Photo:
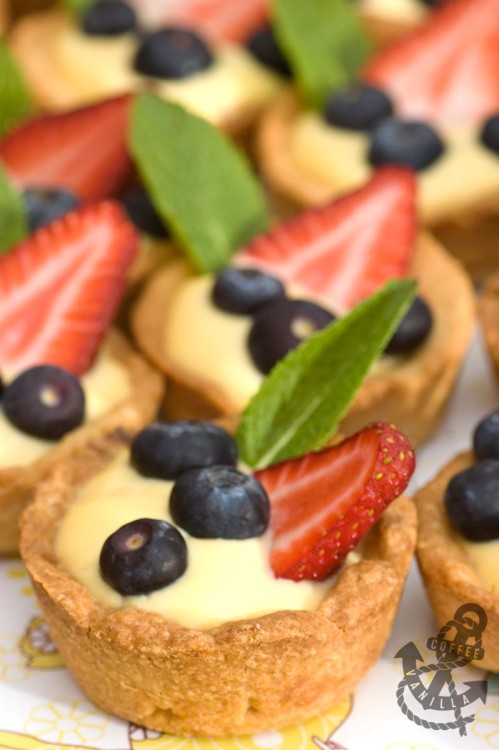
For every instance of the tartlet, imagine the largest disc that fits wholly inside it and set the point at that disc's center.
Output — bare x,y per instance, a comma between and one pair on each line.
412,394
17,487
244,88
448,574
243,676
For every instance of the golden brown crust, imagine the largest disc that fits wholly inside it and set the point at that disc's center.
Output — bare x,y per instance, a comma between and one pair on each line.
29,41
4,16
471,235
448,574
18,484
243,676
488,308
412,394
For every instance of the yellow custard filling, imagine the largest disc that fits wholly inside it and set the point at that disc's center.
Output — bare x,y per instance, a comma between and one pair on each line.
97,67
224,580
466,173
105,385
484,557
219,350
405,11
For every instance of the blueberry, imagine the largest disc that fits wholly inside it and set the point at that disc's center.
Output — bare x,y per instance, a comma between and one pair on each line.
264,46
490,134
412,330
45,401
472,501
486,437
219,502
172,52
243,290
45,204
167,449
408,142
357,107
143,556
108,18
280,326
142,213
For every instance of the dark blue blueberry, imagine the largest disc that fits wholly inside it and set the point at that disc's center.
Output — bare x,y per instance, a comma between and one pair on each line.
45,204
280,326
244,290
472,501
413,329
407,142
490,134
45,401
486,437
172,52
143,556
108,18
264,46
219,502
142,213
167,449
358,107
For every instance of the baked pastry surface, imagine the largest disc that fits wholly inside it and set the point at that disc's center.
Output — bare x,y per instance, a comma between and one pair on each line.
412,393
449,577
488,308
243,676
18,484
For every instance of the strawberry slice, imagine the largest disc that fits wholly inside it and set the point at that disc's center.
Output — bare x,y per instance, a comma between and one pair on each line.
217,20
60,288
83,150
447,70
347,249
324,504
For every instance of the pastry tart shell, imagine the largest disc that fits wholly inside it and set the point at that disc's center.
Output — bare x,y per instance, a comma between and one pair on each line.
411,394
488,308
18,484
241,677
29,41
449,577
472,235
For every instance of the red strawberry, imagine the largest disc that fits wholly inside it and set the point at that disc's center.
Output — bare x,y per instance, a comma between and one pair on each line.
447,71
347,249
83,150
217,20
323,504
60,288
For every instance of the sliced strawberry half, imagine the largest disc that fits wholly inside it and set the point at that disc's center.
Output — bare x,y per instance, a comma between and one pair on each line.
347,249
83,150
217,20
447,71
60,288
322,505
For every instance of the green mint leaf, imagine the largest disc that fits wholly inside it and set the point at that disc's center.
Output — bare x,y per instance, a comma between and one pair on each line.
324,41
78,6
200,183
16,103
301,401
13,226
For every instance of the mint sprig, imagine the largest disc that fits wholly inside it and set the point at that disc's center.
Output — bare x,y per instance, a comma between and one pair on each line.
13,224
78,7
16,102
324,42
301,401
200,183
